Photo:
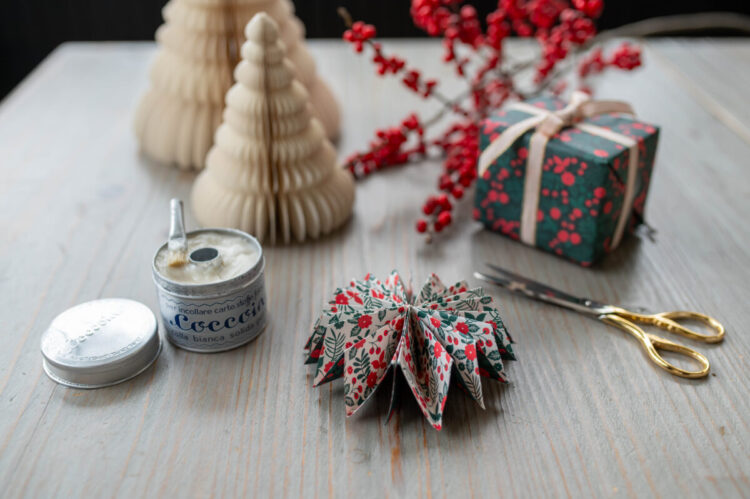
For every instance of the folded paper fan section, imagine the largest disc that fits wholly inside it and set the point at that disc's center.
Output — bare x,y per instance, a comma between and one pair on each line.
272,172
373,326
198,49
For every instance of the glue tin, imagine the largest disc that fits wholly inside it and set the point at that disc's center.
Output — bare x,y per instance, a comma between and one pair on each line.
217,316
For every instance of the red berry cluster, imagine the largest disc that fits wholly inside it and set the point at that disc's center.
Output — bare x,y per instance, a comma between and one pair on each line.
434,16
384,65
561,27
460,144
413,80
389,148
592,8
498,29
440,207
489,93
574,29
465,27
359,34
626,56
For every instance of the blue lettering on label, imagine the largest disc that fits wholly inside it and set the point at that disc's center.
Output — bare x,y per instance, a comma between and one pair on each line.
178,319
182,321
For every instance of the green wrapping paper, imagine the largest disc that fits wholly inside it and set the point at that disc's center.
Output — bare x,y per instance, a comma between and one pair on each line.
582,182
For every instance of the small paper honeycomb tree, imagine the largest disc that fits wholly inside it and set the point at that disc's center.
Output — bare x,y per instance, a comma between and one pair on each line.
271,172
199,48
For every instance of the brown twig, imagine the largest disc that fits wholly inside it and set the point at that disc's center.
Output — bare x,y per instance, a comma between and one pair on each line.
345,16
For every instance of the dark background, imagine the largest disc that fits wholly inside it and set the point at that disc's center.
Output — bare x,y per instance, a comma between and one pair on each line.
30,29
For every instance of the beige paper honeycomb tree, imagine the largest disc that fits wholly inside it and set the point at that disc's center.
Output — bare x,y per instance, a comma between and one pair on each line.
199,48
271,172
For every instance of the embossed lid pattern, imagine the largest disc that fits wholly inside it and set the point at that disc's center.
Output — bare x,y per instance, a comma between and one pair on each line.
100,343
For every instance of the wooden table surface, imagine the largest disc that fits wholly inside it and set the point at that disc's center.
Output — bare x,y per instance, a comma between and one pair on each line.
585,414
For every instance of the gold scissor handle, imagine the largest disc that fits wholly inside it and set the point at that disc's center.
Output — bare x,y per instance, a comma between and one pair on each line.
668,322
652,344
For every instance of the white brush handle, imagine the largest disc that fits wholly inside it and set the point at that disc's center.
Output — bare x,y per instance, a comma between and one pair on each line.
177,238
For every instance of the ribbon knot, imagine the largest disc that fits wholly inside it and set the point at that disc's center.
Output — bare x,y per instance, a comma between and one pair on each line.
546,125
575,111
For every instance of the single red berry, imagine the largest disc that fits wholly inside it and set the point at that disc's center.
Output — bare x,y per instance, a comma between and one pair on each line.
444,218
368,31
446,184
429,207
444,203
421,226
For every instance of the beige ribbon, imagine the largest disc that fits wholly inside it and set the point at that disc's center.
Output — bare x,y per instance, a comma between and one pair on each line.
546,124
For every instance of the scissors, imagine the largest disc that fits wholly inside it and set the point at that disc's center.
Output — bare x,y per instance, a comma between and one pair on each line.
623,319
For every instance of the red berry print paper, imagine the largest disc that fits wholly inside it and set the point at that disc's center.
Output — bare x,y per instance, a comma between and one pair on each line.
371,327
582,188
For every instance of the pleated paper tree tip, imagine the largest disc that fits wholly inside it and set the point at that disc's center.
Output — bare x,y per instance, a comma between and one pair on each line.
271,171
262,29
177,118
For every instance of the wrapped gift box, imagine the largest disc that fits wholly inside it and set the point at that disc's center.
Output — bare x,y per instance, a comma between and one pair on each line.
559,176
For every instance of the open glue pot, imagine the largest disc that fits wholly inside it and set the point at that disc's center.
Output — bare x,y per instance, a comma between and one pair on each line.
211,286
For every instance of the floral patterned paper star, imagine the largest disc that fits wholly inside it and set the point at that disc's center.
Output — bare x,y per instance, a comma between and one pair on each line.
372,326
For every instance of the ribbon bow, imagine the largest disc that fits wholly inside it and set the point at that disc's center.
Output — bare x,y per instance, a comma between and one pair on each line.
546,124
579,108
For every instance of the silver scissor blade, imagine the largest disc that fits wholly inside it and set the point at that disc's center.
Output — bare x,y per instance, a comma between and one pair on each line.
545,289
541,292
529,290
511,285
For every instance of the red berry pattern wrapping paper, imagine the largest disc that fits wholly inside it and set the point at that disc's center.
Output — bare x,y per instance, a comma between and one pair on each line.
372,328
583,183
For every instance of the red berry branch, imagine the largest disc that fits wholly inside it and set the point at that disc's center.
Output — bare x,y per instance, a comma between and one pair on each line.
562,29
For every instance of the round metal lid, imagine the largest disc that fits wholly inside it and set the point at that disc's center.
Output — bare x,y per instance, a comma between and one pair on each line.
100,343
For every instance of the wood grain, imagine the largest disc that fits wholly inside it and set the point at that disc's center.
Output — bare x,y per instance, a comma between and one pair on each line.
584,415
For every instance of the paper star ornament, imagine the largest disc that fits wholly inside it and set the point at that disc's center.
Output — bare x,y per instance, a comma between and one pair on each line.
373,326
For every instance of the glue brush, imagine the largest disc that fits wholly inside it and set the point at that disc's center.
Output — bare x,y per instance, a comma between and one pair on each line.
177,244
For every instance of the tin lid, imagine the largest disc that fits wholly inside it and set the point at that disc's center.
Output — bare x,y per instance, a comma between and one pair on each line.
100,343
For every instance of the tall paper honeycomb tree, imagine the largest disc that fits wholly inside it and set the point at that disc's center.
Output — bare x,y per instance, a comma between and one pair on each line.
200,40
271,172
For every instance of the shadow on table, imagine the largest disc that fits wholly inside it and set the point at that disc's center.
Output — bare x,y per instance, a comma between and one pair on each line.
461,417
111,396
493,247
